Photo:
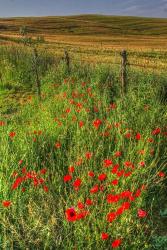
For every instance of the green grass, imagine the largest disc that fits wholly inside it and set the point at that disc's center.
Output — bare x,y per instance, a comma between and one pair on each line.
17,77
36,217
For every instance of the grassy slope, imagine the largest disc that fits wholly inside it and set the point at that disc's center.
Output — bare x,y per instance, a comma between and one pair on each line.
88,25
36,218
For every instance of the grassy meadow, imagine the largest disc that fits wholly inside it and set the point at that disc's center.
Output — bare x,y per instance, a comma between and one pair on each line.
84,166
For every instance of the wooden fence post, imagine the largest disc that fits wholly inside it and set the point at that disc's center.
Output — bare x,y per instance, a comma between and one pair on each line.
0,77
35,64
123,71
67,59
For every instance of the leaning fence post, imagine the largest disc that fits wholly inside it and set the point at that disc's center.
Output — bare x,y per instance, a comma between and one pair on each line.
67,60
35,64
123,71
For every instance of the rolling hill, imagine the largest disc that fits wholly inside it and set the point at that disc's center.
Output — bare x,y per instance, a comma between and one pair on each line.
87,25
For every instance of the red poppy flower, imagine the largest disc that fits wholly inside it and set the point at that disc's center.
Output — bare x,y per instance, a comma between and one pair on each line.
64,94
17,182
59,123
79,105
138,136
90,94
94,189
77,183
113,198
141,152
41,180
150,140
113,106
115,182
117,124
89,89
102,177
120,173
111,216
107,162
126,174
45,188
2,123
71,214
131,198
142,163
156,131
138,193
91,174
143,187
83,84
36,182
12,134
6,203
88,155
127,164
118,153
57,145
71,101
80,205
30,175
119,211
39,132
106,133
161,174
67,178
24,171
68,110
128,135
125,194
125,205
81,124
20,162
97,123
43,171
23,189
71,169
95,109
88,202
79,162
116,243
115,169
82,215
104,236
141,213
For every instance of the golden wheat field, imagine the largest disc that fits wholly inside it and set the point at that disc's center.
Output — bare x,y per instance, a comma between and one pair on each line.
97,38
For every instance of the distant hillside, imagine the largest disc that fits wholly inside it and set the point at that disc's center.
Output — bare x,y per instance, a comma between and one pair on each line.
87,25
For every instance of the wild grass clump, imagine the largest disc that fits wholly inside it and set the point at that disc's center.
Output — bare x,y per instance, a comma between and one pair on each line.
17,71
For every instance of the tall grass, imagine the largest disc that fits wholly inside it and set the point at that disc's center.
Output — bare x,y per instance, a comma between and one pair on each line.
59,132
17,66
